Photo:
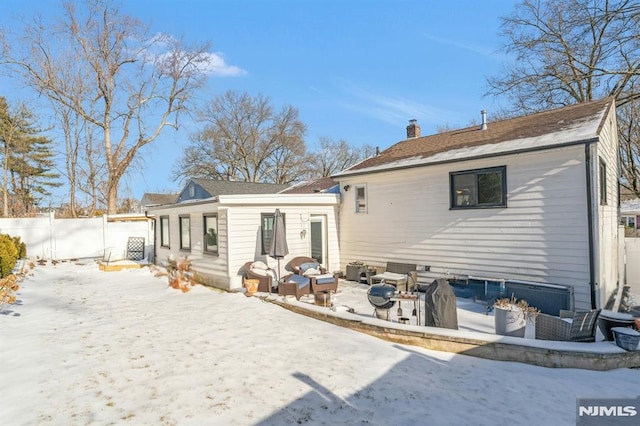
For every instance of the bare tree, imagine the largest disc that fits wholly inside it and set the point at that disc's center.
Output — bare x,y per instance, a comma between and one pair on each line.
629,139
569,51
138,83
245,139
333,157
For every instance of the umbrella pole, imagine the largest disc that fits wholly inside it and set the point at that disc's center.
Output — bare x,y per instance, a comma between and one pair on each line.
279,273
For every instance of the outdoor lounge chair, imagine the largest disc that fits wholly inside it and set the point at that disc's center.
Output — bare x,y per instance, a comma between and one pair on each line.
294,285
579,326
301,263
261,272
310,268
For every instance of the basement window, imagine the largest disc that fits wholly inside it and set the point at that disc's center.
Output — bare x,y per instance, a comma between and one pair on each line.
480,188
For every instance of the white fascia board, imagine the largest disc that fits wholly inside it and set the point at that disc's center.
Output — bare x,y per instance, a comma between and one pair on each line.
280,199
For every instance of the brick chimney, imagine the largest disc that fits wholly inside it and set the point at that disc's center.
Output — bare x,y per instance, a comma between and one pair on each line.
413,130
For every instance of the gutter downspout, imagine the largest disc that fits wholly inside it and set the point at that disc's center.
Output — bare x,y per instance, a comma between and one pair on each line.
592,272
155,248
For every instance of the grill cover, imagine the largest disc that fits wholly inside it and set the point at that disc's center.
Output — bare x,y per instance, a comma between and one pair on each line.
379,295
440,305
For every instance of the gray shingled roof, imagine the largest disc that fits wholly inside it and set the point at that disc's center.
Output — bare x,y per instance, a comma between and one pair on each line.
225,187
152,199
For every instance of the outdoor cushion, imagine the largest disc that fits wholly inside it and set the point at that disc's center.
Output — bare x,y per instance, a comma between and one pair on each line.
311,271
300,280
309,265
261,272
392,276
259,265
325,279
264,272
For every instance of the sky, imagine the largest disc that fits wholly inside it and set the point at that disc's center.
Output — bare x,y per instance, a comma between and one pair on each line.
83,346
355,70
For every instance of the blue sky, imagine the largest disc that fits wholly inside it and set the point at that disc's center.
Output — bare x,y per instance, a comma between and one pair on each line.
356,70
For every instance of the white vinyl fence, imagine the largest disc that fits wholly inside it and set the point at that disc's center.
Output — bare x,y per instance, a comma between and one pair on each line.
102,237
632,263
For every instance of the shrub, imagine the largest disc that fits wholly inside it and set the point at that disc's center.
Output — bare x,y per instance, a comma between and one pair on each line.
8,255
21,246
8,287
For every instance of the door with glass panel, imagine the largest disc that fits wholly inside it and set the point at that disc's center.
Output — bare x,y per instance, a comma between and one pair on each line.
318,240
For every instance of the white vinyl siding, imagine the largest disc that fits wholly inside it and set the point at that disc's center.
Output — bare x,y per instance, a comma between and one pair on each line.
246,243
606,220
238,233
541,236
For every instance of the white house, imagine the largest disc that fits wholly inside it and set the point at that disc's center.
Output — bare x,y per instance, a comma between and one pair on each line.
221,233
533,198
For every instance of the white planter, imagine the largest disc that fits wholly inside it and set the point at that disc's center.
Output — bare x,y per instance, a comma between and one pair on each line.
509,321
530,327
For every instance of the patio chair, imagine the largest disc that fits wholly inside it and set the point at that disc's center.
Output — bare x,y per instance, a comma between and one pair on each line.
579,326
398,274
261,272
299,265
294,285
310,268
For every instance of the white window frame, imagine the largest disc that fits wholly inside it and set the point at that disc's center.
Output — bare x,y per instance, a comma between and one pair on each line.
208,248
164,231
185,237
361,207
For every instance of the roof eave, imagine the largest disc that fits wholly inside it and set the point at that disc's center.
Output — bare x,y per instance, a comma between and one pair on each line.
426,162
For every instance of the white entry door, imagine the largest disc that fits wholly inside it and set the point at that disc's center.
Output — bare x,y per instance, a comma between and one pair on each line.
318,240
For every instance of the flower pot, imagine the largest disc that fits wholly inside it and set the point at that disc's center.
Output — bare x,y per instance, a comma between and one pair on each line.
251,286
509,321
609,319
530,327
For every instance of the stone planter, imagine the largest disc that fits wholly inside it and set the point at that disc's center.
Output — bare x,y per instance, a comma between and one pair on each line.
509,321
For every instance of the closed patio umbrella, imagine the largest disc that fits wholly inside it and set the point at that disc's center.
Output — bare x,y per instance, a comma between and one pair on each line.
279,248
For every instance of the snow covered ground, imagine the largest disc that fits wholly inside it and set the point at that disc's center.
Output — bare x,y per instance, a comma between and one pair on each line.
84,346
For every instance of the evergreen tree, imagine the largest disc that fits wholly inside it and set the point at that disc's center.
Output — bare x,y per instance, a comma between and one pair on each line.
27,161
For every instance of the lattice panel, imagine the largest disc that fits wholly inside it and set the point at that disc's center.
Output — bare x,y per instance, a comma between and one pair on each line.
135,248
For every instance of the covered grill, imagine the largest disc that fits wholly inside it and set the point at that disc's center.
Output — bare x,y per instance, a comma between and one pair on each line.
379,296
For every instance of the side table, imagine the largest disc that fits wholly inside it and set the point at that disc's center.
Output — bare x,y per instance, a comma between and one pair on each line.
365,276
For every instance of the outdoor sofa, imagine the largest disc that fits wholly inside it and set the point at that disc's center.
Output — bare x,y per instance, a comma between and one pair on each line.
579,326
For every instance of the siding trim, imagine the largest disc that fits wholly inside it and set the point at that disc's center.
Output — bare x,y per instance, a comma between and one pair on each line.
589,185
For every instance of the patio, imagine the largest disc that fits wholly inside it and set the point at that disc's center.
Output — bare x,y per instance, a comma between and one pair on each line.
475,335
